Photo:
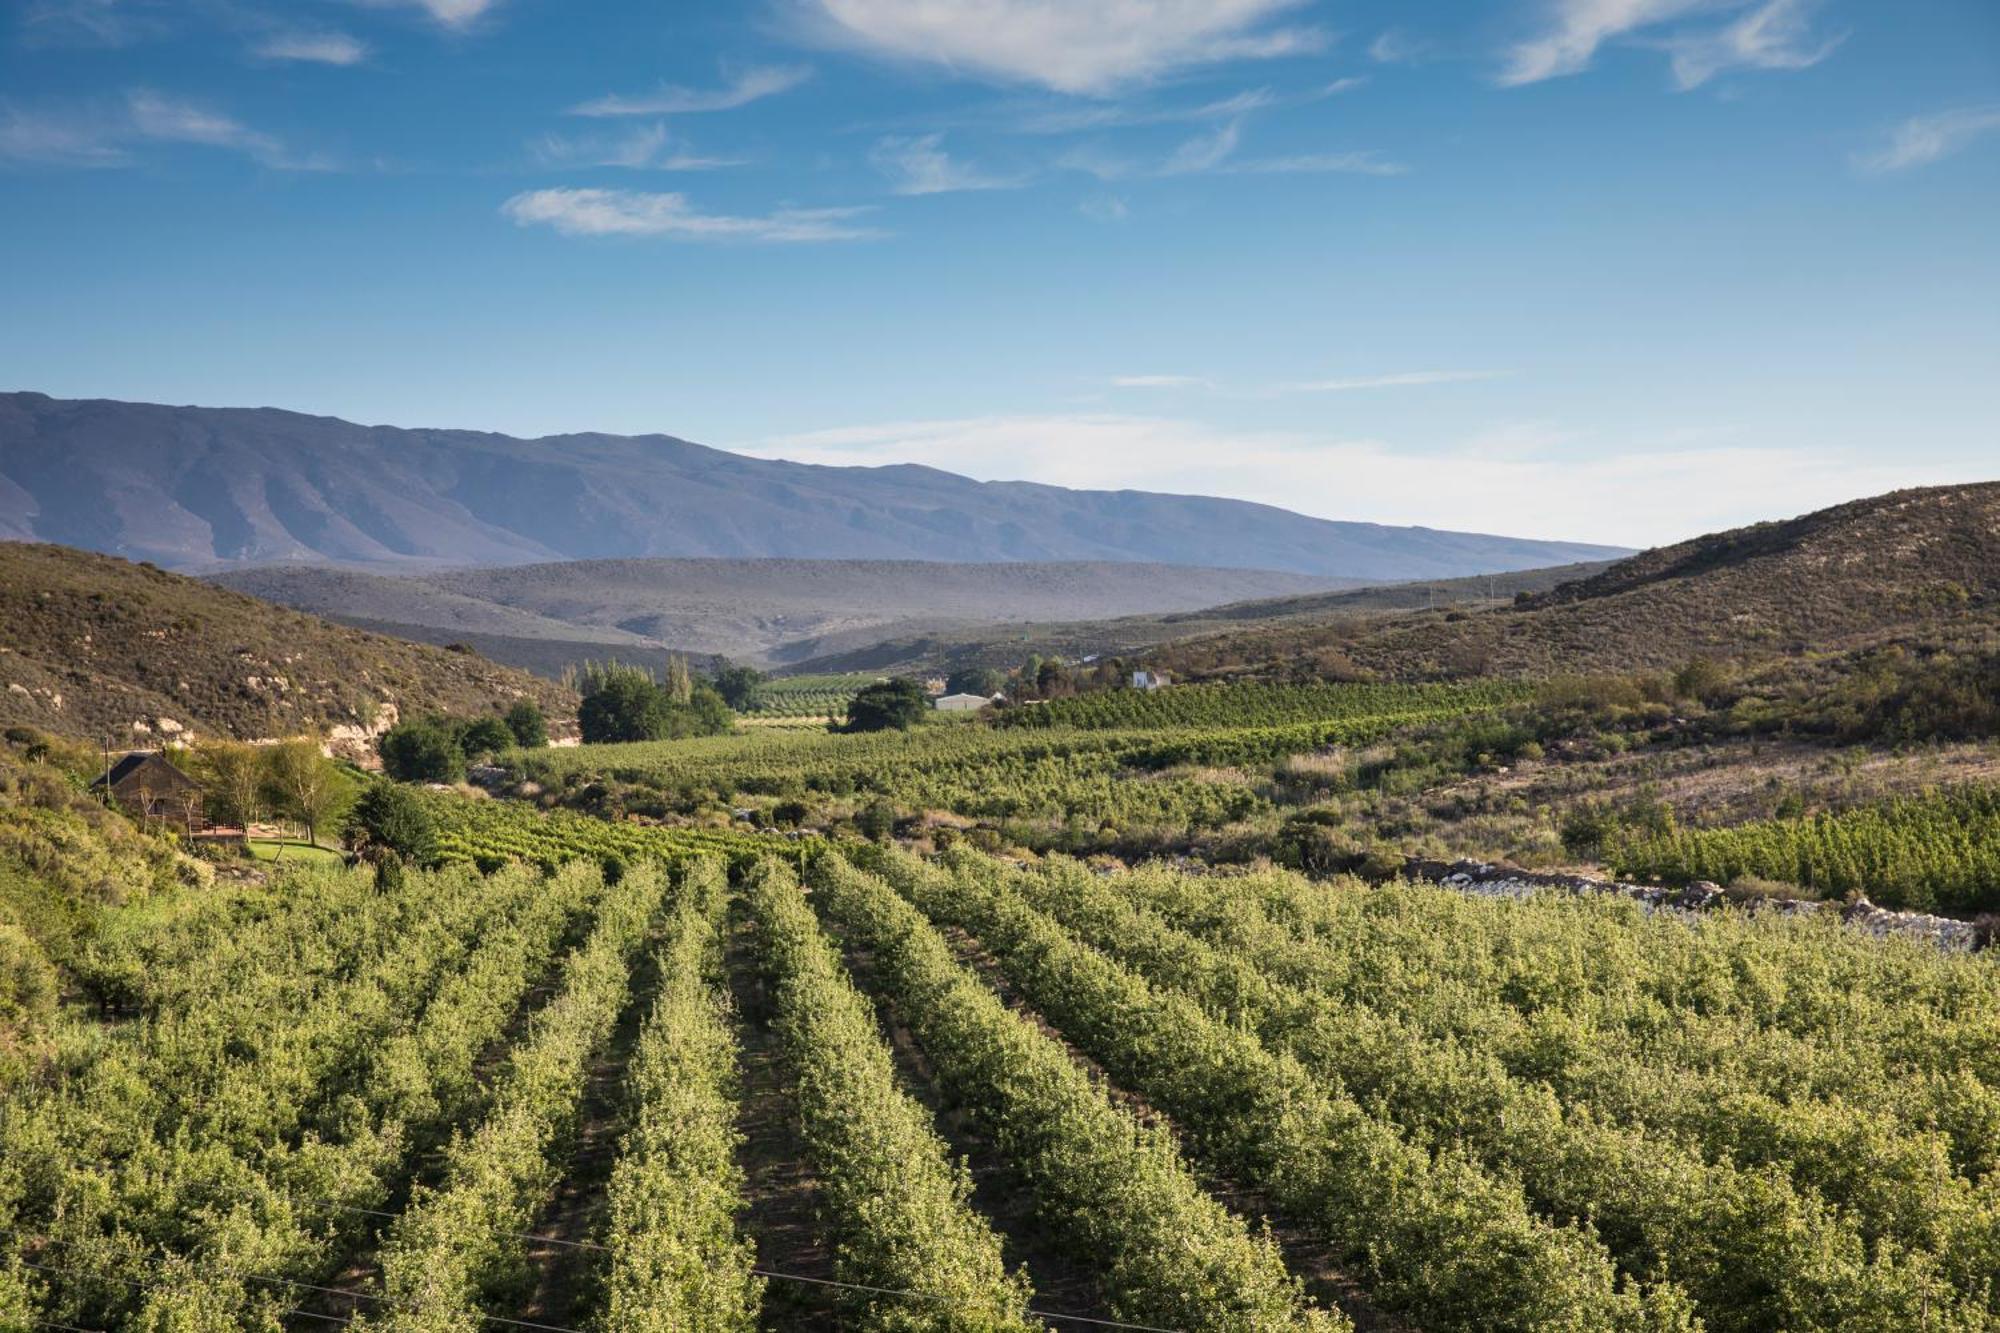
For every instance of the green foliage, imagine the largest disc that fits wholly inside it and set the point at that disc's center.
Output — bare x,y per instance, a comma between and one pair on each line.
1937,850
485,736
457,1243
976,680
892,1200
679,1262
741,687
527,725
391,819
1117,1189
624,703
1455,1248
891,705
425,749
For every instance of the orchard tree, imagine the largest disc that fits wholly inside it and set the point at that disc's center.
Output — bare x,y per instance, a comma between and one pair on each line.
307,784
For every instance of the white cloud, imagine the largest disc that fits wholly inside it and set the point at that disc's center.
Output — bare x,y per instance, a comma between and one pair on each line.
1393,46
1105,208
453,13
635,213
1204,152
89,22
1921,140
46,140
1402,380
643,148
1776,35
1089,47
920,165
749,86
1759,34
1215,151
171,120
101,137
322,48
1515,480
1160,382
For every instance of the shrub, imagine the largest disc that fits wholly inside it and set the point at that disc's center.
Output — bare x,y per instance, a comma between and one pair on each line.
426,749
527,725
390,819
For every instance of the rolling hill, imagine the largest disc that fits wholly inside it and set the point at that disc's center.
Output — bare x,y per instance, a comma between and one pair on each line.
768,611
202,488
100,648
1916,564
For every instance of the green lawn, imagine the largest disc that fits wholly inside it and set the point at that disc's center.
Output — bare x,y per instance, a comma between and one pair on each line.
266,849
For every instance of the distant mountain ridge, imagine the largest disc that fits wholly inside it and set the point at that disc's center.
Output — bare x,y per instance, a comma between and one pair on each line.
206,488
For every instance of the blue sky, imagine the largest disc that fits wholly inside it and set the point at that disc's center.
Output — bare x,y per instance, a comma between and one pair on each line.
1619,270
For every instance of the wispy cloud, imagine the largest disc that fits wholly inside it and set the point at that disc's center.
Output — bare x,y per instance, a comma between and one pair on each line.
1760,35
1105,208
1403,380
634,213
171,120
749,86
321,48
90,22
1394,46
450,13
1160,382
642,148
1921,140
1089,47
28,138
1215,151
920,165
1204,152
101,136
1776,35
1569,489
1398,380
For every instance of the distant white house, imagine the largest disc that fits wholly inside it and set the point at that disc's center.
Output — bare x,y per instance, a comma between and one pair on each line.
1151,680
963,703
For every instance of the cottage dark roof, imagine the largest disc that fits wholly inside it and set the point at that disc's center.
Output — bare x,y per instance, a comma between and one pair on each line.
137,760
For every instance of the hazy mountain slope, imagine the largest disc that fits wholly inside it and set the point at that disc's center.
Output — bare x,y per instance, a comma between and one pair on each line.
1913,565
764,610
96,647
1007,645
199,487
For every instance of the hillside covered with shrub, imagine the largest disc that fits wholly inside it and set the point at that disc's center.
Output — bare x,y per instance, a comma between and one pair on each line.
98,647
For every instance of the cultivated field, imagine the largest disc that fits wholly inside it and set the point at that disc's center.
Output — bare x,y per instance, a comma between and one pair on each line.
710,1087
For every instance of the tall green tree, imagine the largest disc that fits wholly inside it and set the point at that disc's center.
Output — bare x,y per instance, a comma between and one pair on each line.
891,705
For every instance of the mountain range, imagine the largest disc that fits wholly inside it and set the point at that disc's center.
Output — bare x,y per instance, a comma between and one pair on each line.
198,488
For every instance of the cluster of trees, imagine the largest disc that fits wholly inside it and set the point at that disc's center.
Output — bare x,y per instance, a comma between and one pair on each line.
890,705
244,784
628,703
437,748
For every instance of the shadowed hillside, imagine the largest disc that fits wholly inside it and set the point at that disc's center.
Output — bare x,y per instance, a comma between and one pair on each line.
97,647
772,611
